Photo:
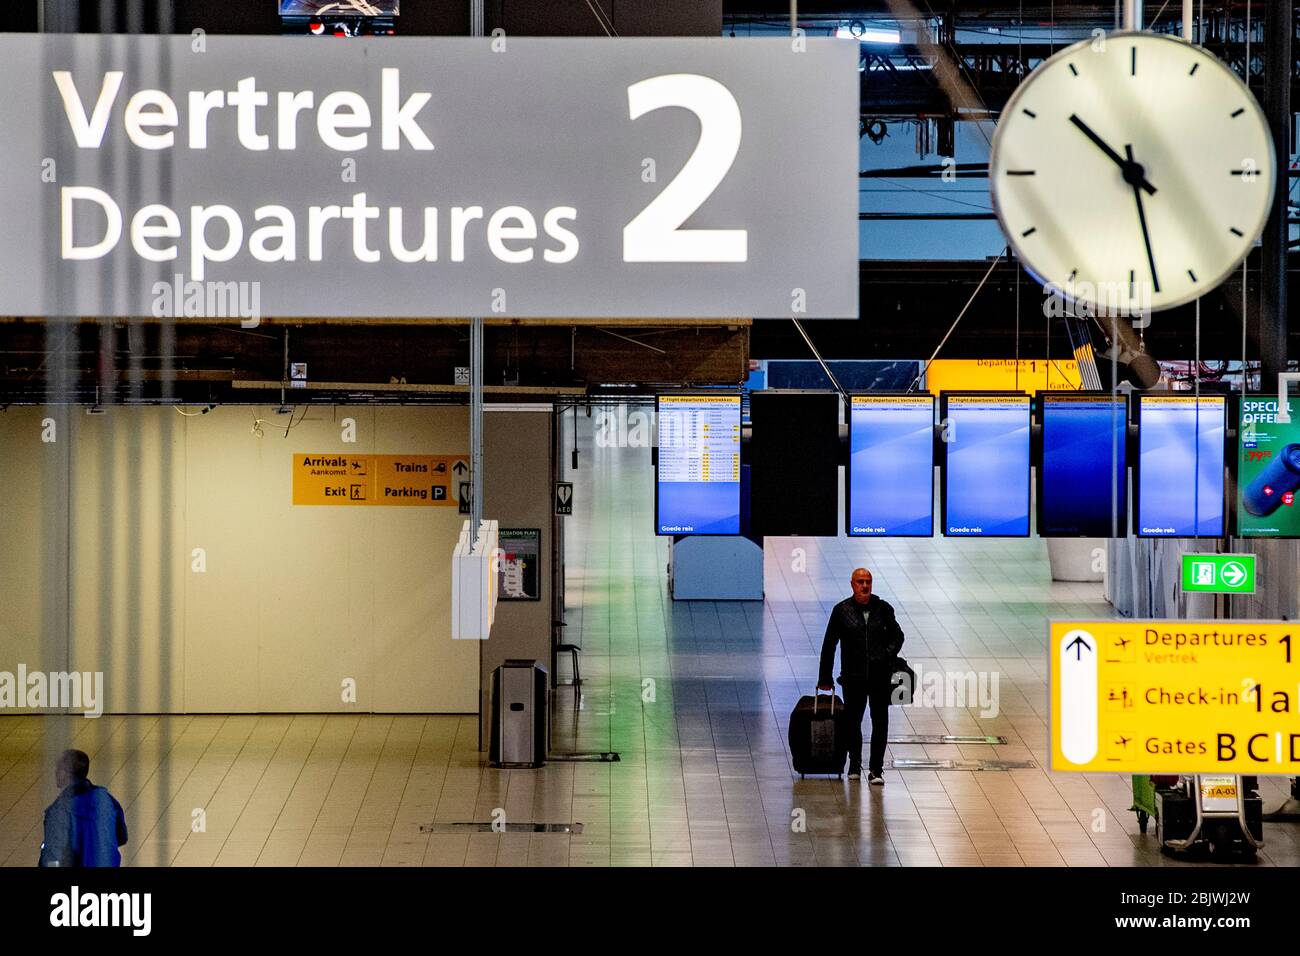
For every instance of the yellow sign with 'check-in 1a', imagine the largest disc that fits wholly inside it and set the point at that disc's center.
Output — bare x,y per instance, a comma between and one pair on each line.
1171,696
413,480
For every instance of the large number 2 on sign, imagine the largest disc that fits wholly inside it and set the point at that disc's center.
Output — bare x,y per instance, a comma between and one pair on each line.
654,234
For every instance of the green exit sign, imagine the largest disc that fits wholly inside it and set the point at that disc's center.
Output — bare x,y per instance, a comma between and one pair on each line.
1219,573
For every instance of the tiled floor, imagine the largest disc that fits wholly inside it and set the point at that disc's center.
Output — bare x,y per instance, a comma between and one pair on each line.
693,696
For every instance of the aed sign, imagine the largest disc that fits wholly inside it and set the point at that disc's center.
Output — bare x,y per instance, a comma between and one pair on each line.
1174,696
340,479
425,177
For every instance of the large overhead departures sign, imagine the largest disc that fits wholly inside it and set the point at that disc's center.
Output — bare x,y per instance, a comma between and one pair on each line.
516,177
1144,696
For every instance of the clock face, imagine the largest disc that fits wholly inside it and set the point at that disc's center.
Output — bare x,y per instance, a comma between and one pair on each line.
1133,174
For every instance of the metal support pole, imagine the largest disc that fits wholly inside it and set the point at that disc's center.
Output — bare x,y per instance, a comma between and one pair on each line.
476,405
835,384
1132,14
1277,110
475,363
794,16
1273,326
1187,21
1006,251
475,423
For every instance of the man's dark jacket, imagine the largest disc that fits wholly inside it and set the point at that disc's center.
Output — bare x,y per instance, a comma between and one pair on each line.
84,826
861,648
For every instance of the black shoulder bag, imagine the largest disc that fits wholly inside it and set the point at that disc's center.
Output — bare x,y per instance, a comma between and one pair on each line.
902,681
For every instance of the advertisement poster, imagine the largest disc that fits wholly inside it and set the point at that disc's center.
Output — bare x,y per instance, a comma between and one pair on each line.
1268,470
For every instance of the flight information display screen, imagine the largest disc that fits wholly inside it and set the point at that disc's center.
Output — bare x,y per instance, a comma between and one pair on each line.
697,482
889,487
1179,476
1083,478
986,468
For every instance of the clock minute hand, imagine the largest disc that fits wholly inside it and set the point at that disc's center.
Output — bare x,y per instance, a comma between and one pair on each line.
1142,218
1128,167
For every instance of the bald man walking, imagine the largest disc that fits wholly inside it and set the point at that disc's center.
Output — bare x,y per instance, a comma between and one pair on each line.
869,639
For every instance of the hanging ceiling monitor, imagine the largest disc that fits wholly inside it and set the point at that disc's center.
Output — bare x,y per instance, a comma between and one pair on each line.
697,477
1178,474
1268,469
339,18
794,455
985,489
1083,474
889,483
339,8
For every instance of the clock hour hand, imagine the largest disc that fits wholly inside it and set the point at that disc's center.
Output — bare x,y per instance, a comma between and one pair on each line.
1142,218
1133,172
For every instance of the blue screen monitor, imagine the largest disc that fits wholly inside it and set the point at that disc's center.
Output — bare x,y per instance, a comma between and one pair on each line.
889,484
1179,469
1083,476
697,480
986,464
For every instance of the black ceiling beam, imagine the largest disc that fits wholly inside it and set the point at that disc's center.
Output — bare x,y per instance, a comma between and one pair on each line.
926,171
898,81
932,216
932,171
206,358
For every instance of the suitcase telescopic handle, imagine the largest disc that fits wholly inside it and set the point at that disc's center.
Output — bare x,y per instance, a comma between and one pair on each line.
817,697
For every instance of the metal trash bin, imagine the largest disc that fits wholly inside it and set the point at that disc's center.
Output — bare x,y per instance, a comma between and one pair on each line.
520,715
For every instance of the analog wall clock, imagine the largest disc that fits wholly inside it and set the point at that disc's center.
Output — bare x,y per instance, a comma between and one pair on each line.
1133,172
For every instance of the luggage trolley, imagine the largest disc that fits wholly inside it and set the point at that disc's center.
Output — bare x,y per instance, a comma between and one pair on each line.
1210,812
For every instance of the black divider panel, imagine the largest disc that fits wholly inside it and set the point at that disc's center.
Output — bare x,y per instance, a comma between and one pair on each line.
794,448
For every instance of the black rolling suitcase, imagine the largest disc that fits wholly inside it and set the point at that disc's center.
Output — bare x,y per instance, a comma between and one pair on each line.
818,742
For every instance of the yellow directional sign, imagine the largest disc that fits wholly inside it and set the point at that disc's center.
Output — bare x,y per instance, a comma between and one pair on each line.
1001,375
333,479
345,479
1170,696
417,479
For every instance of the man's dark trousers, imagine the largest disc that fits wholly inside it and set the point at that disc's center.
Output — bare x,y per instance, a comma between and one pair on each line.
858,693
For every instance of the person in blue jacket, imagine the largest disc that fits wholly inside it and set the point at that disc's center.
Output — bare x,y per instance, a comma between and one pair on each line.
84,826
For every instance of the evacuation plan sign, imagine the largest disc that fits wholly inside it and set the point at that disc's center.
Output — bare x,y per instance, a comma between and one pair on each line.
1219,573
1171,696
